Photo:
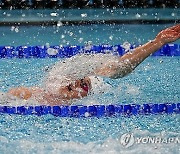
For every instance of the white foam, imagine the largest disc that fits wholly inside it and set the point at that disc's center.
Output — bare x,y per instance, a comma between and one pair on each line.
76,67
109,145
98,85
132,90
6,99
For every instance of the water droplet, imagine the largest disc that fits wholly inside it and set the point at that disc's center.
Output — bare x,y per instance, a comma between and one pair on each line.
59,24
161,61
71,34
173,14
80,40
52,51
16,29
126,46
54,14
83,15
12,28
86,114
111,37
137,15
47,45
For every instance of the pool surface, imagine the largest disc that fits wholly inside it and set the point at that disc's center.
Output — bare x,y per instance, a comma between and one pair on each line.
156,80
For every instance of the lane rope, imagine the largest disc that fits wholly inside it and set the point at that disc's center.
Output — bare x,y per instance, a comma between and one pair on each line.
94,110
68,51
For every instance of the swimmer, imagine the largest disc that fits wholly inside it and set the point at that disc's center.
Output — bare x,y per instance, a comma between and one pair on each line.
61,89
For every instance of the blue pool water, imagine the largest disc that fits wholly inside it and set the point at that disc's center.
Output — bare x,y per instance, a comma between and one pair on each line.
155,80
79,35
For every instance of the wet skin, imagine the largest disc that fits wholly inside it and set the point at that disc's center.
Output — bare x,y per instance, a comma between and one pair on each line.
79,89
76,90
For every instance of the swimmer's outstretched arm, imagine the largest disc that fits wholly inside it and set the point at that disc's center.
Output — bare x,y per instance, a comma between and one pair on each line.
130,61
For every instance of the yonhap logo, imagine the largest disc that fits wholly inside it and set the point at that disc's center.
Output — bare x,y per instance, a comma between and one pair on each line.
127,140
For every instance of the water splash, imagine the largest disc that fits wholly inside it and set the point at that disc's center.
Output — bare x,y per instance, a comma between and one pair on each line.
126,46
76,67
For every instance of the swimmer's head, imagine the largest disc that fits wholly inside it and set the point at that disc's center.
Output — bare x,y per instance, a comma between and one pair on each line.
76,89
73,89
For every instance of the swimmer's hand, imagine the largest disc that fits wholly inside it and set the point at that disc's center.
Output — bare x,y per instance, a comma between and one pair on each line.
21,92
169,35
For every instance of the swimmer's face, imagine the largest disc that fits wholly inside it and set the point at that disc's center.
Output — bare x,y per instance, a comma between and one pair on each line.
78,89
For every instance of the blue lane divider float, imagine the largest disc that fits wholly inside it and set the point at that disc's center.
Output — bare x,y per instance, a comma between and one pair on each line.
94,110
68,51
